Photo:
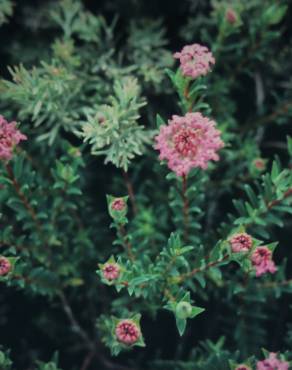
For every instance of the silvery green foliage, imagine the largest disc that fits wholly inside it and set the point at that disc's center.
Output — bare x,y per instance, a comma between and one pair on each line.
147,50
75,76
5,362
6,9
113,129
45,95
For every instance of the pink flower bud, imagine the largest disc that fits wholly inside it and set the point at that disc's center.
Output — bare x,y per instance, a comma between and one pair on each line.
243,367
272,363
259,164
195,60
5,266
9,137
118,204
262,261
111,271
231,16
127,332
101,119
241,242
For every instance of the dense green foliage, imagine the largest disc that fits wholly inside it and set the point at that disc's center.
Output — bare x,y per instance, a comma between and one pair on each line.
90,86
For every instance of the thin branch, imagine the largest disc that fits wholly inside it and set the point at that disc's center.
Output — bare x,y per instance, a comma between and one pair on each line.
185,207
93,346
88,359
130,189
281,110
25,203
21,196
74,323
203,268
275,202
127,244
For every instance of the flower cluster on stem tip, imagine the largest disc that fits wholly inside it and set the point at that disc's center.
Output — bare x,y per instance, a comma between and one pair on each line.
127,332
5,266
259,164
243,367
241,242
188,142
272,363
118,204
261,259
231,16
9,137
195,60
111,271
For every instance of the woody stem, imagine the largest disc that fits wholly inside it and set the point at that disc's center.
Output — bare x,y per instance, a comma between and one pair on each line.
127,244
185,207
22,197
130,189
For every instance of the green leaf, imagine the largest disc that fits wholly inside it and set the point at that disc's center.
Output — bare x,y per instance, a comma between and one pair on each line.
181,325
159,121
196,311
274,14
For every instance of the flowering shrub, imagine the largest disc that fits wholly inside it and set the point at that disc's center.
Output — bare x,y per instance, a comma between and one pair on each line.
143,191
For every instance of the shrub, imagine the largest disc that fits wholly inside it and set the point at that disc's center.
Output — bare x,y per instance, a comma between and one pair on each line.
143,190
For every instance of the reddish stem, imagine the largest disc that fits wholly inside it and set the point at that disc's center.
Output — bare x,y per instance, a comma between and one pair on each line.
130,191
277,201
187,97
203,268
22,197
126,242
185,206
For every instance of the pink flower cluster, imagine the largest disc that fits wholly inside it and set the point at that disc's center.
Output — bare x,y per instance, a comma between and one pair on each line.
188,142
241,242
127,332
9,137
195,60
111,271
272,363
5,266
259,164
231,16
261,259
118,204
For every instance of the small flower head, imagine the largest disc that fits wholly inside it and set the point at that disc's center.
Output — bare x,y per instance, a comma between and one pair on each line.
241,242
101,118
5,266
259,164
272,363
231,16
242,367
9,137
127,332
111,271
261,259
195,60
118,204
188,142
